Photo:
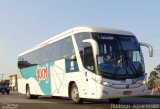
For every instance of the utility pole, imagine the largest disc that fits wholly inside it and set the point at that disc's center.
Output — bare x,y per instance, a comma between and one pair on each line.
2,76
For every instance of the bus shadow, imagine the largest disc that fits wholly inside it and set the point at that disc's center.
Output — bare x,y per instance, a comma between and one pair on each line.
66,100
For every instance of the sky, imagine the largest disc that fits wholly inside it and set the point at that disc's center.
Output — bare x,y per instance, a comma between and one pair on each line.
26,23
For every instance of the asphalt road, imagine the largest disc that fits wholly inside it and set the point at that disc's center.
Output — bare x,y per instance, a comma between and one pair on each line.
19,101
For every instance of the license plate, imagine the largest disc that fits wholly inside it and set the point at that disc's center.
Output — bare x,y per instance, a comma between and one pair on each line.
127,92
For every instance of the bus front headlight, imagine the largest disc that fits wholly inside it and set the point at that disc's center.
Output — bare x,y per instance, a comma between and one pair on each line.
105,83
143,82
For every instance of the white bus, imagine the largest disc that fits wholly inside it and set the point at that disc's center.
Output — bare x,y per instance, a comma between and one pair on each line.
85,62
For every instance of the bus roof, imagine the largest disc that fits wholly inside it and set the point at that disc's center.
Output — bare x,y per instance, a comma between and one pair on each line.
77,30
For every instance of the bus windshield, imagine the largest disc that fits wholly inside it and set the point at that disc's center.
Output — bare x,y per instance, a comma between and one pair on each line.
120,56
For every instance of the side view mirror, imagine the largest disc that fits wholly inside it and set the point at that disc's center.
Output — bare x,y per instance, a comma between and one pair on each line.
150,48
94,45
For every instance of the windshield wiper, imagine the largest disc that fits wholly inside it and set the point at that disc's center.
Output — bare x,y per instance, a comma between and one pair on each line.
130,64
117,65
125,60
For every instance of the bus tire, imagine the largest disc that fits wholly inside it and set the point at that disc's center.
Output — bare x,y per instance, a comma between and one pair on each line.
74,94
114,100
28,94
8,92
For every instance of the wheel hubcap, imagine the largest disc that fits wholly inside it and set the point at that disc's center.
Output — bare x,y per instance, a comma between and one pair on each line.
75,94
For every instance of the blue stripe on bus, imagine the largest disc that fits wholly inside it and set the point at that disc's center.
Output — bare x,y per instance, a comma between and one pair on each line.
44,84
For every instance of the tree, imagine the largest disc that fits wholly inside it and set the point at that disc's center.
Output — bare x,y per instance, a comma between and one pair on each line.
154,77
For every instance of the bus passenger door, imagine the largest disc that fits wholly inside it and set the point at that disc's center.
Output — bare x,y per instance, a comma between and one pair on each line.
89,73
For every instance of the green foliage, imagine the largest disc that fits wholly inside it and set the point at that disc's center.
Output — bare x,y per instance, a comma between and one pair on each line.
153,77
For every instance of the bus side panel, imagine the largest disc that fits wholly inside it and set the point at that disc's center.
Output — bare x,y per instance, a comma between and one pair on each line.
62,73
76,78
34,86
21,86
21,83
57,77
38,78
51,79
72,75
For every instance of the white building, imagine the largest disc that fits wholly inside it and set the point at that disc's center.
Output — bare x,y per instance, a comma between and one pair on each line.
13,81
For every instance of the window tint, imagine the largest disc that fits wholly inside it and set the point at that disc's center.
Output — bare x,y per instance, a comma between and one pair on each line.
55,51
129,43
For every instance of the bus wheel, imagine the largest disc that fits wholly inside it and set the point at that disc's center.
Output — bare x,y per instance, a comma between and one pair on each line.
8,92
114,100
74,94
29,96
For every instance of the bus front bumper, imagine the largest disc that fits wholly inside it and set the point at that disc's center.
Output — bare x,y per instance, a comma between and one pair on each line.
110,92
